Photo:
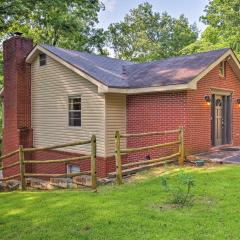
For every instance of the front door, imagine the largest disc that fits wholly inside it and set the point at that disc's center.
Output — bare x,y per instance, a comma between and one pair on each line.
221,119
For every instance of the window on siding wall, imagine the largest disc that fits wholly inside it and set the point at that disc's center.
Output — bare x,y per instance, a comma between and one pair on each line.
222,68
42,59
74,111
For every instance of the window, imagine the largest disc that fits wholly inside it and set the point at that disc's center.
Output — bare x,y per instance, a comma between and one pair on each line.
42,59
222,69
73,168
74,111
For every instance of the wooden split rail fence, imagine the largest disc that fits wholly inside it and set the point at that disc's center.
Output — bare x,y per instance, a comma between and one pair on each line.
22,162
120,152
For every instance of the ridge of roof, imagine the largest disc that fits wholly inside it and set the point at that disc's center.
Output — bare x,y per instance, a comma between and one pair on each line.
87,54
223,50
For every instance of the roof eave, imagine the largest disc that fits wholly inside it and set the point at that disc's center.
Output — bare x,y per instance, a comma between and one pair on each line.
191,85
177,87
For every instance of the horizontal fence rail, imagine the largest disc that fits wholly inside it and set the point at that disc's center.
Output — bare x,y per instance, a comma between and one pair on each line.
58,160
22,162
149,133
143,149
120,152
144,162
57,174
57,146
10,165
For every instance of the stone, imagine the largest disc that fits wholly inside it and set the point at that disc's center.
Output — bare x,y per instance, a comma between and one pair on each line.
37,183
13,184
84,180
104,181
61,182
3,186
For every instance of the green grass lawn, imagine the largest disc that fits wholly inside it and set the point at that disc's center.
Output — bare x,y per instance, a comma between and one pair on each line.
128,211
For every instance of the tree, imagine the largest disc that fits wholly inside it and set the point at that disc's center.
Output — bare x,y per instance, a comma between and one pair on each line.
210,40
64,23
224,15
223,20
145,35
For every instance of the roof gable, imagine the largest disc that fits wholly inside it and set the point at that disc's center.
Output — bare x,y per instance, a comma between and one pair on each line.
172,71
114,75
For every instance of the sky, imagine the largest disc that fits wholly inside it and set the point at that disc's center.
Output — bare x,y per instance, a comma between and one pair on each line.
115,10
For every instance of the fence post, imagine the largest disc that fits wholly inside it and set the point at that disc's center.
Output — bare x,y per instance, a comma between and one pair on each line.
22,168
118,158
93,162
181,147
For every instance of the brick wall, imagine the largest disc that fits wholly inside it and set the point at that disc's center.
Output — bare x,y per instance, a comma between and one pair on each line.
17,97
166,111
104,165
198,125
155,112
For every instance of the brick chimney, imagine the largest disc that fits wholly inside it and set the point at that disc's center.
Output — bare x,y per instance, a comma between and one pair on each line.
17,94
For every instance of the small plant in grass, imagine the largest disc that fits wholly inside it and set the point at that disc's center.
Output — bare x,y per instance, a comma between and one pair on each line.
180,192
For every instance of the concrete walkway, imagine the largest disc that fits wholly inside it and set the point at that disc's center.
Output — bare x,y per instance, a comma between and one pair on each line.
223,155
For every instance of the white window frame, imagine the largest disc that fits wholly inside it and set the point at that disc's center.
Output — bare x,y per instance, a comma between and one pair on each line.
68,110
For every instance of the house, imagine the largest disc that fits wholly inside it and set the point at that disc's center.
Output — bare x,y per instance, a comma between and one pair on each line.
53,96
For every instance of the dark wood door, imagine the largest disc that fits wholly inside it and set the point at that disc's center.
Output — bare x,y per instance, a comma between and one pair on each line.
221,120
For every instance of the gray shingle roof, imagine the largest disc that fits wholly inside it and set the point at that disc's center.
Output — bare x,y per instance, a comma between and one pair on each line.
123,74
104,69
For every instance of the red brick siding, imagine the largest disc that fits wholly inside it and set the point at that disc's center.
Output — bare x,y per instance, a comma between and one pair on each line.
155,112
198,127
103,164
17,97
164,111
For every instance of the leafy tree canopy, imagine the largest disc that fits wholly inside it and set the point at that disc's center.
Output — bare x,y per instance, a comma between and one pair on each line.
145,35
223,20
65,23
210,40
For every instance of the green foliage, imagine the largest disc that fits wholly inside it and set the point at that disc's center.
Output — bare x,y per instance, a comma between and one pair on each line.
180,193
223,20
209,41
64,23
224,15
145,35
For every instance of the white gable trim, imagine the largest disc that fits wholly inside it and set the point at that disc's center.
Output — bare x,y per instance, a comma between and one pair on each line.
32,55
229,53
105,89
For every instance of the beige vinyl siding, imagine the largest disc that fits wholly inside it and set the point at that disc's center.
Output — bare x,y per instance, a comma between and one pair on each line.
52,84
115,120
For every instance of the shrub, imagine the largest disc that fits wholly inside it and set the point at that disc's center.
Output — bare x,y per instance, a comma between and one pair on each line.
180,192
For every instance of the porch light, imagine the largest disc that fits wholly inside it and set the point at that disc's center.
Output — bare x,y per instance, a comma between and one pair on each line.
208,100
238,102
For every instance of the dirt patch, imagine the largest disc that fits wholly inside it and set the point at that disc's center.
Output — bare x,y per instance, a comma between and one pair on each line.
165,206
